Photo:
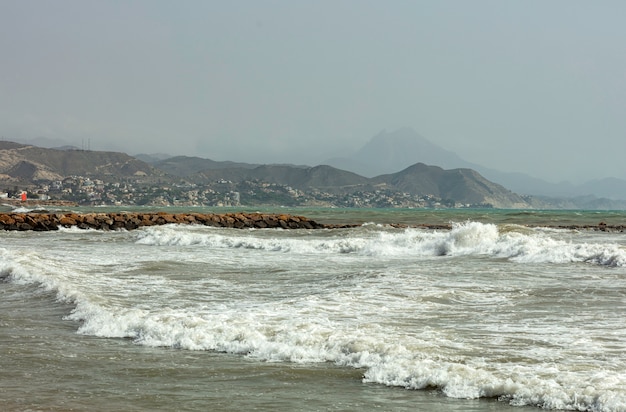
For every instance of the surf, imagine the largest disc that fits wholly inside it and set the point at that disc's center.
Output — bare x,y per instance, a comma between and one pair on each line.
516,243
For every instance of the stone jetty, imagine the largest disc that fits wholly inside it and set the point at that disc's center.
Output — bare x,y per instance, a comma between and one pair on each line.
43,221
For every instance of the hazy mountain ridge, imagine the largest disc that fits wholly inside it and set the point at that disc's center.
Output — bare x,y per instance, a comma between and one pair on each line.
464,184
22,163
152,157
387,152
461,185
189,165
323,177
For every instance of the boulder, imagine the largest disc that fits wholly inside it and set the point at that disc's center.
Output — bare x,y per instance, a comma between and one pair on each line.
129,221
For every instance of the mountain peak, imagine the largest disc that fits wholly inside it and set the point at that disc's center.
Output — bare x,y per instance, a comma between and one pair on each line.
388,152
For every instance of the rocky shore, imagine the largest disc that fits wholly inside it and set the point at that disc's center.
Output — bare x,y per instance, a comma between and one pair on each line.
602,226
44,221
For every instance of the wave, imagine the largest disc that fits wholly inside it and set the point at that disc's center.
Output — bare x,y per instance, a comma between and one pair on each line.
268,334
310,329
517,243
22,209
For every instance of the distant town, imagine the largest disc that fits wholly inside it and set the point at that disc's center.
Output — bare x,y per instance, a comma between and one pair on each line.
86,191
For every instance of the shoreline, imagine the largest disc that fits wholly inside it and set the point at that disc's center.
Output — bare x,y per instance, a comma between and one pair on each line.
37,203
48,221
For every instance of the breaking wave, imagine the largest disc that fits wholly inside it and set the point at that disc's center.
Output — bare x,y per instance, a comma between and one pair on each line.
517,243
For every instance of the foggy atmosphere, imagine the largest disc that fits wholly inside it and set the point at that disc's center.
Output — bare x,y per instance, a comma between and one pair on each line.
532,87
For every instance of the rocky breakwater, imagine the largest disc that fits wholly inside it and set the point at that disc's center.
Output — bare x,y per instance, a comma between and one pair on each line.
130,221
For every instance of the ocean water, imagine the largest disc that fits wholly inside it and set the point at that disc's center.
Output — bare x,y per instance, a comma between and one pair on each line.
492,315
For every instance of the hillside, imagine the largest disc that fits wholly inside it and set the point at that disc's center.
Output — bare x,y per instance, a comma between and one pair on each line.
461,185
388,152
325,178
457,184
188,165
25,163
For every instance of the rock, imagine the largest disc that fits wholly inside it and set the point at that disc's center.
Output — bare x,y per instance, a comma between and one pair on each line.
130,221
7,220
67,221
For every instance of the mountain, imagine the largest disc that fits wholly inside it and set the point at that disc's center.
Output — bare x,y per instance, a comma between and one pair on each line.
29,165
151,158
388,152
26,163
47,142
324,178
465,184
186,166
461,185
610,188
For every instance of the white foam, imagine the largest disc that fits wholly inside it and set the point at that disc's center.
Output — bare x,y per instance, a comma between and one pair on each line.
348,326
469,238
32,268
21,209
273,333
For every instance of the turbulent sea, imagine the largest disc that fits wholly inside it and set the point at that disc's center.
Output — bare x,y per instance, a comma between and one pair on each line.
492,315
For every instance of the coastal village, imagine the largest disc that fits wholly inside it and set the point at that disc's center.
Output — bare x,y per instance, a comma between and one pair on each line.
220,193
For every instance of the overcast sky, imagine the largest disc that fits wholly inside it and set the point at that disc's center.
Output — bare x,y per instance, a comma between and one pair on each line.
532,86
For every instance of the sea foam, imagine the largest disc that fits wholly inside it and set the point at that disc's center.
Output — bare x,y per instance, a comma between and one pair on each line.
276,333
327,327
464,239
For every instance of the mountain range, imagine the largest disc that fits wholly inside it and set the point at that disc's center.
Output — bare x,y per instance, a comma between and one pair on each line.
375,165
25,164
388,152
31,165
461,185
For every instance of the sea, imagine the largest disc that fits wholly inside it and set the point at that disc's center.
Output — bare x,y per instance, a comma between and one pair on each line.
508,311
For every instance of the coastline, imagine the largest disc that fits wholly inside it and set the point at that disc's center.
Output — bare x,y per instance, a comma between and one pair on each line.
38,203
47,221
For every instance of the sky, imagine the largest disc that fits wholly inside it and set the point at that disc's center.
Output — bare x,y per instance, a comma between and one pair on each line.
531,86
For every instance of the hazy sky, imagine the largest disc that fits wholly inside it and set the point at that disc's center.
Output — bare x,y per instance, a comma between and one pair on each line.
536,86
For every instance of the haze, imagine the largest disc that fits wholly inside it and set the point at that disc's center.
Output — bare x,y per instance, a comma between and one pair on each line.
537,87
